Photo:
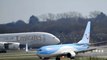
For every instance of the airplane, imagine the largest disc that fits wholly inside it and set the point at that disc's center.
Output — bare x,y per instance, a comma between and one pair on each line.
68,50
31,39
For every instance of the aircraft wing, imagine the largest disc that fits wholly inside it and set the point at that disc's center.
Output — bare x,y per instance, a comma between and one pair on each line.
94,48
90,49
98,43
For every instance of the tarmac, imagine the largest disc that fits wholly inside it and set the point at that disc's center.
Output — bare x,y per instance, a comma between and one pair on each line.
22,55
101,51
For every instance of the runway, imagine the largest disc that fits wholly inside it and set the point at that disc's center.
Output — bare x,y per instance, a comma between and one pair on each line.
101,52
17,55
22,55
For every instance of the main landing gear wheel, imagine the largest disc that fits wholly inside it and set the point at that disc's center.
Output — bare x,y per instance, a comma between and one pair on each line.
3,51
45,59
57,58
72,57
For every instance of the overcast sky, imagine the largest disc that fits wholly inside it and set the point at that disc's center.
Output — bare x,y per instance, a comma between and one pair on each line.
13,10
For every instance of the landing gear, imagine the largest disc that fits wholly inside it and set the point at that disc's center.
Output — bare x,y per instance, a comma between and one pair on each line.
57,58
72,58
43,58
3,51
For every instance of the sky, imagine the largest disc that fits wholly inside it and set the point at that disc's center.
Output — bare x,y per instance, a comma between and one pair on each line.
13,10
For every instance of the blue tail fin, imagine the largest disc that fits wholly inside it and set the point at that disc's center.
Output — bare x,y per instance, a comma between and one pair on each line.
86,36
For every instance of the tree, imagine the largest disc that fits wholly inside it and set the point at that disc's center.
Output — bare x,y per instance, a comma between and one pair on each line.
94,14
33,20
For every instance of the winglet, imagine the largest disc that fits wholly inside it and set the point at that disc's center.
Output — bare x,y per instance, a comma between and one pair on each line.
86,36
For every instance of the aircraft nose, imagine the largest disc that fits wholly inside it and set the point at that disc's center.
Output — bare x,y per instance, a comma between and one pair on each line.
38,51
56,40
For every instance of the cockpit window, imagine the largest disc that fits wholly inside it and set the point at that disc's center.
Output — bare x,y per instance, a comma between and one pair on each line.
53,37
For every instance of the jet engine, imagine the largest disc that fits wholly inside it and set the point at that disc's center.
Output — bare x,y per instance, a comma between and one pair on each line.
9,45
2,45
12,46
71,54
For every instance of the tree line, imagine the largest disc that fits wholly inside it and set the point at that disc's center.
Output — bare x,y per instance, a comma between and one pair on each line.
68,27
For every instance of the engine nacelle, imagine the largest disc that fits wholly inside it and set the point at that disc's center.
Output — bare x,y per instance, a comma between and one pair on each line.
14,46
71,54
10,45
2,45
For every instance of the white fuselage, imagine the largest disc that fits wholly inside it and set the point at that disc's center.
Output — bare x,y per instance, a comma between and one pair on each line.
31,38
